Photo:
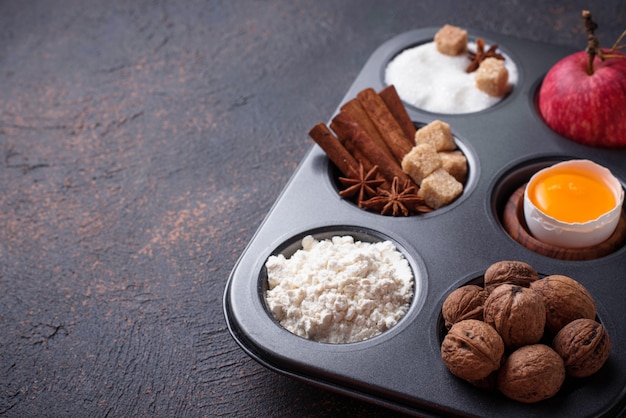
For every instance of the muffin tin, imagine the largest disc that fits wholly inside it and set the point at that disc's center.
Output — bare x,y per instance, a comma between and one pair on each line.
452,246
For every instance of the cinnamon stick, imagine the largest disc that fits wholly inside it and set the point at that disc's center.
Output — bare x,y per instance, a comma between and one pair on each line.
362,119
358,155
335,151
391,98
384,121
387,167
344,126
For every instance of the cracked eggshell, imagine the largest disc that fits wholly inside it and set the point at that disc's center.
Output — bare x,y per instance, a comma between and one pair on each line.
574,235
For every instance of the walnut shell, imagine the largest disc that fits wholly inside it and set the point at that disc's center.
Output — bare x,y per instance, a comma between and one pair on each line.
511,272
517,313
531,374
565,300
584,345
472,350
466,302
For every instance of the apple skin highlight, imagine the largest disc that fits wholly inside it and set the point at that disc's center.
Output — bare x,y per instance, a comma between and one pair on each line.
589,109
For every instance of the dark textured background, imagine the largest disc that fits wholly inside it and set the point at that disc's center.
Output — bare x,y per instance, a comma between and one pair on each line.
141,145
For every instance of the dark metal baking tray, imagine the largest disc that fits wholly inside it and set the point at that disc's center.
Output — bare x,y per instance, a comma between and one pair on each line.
402,368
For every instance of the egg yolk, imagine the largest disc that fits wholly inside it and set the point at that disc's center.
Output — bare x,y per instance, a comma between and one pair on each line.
571,195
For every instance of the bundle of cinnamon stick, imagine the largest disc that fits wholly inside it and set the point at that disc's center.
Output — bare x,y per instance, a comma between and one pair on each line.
371,129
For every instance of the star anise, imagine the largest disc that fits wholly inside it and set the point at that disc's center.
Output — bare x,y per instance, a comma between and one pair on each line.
362,185
398,200
480,55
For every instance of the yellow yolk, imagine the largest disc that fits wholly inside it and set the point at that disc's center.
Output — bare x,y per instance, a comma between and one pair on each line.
571,195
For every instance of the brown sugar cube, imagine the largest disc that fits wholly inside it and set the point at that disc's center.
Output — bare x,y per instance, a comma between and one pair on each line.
492,77
451,40
420,162
439,189
438,134
455,163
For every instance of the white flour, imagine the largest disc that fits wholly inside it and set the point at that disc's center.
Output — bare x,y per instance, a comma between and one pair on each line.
339,290
432,81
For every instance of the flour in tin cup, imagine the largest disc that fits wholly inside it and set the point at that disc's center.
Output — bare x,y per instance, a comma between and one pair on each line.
339,290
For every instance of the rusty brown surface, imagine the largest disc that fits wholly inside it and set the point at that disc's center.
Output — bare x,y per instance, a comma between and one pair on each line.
141,145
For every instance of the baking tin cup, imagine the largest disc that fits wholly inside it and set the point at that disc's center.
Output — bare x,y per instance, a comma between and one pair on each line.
508,208
473,173
293,244
402,368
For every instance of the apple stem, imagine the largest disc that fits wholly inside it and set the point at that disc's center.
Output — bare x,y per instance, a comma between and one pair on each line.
616,45
593,45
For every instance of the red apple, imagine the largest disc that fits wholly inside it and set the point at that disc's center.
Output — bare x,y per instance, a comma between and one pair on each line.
586,108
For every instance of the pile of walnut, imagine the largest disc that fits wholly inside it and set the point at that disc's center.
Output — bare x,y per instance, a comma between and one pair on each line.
498,335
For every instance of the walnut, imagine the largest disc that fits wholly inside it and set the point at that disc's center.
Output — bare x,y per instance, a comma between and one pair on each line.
511,272
584,345
531,373
565,300
466,302
472,350
517,313
486,383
